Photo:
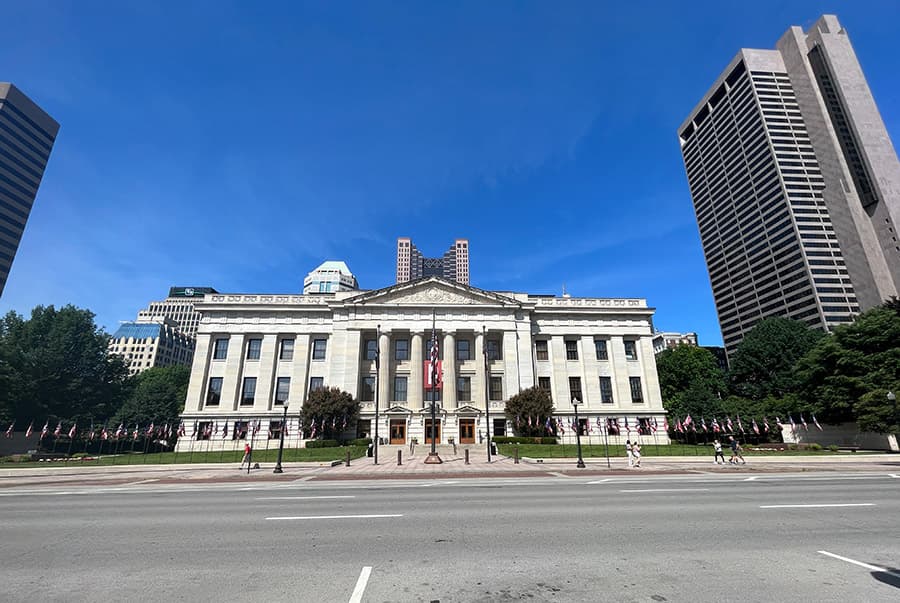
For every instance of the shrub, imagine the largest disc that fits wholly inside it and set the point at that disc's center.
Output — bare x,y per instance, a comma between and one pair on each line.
361,442
79,455
792,447
322,444
548,440
833,447
815,446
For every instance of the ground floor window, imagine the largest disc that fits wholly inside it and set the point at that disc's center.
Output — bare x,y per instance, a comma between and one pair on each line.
204,430
363,428
499,427
274,430
240,430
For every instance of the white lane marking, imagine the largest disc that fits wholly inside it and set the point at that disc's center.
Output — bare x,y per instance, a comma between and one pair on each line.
599,481
816,506
332,517
145,481
669,490
301,497
752,479
894,475
356,597
861,564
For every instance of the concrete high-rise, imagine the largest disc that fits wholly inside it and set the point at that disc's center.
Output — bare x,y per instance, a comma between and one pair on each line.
795,184
26,139
412,265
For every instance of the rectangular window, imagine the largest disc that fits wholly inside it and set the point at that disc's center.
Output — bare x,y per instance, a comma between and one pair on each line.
493,350
282,390
575,389
371,349
214,391
401,349
248,392
496,388
253,348
606,392
630,350
204,430
240,429
274,430
316,383
499,427
637,396
600,347
319,349
368,389
464,389
287,350
463,350
571,349
220,349
540,349
400,389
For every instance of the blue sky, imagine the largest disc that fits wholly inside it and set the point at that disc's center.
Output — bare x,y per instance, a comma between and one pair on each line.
239,144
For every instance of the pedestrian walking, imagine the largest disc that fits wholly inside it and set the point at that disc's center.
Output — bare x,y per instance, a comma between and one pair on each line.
636,452
717,446
735,451
246,458
630,452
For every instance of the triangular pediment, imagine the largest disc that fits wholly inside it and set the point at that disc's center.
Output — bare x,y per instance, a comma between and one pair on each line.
430,292
398,410
468,409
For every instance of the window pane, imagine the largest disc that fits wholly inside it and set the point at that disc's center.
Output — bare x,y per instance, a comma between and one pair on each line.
316,383
499,427
606,394
496,388
253,348
248,393
571,349
214,391
463,350
464,389
630,350
282,390
540,349
221,349
636,393
287,349
371,349
575,388
493,349
368,389
600,346
319,349
400,389
401,349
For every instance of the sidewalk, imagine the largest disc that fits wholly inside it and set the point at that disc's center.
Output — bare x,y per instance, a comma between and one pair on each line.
415,468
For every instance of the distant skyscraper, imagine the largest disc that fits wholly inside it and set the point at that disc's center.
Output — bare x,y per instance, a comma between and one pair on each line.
26,139
796,185
177,309
330,277
412,265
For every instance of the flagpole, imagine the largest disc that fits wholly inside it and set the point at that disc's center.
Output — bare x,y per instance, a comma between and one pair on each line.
433,457
606,442
487,390
377,387
252,442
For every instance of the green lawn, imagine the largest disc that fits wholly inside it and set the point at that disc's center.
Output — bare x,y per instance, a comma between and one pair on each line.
228,456
594,450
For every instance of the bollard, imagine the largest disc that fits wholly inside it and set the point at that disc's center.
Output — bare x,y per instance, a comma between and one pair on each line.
399,457
348,458
516,461
467,456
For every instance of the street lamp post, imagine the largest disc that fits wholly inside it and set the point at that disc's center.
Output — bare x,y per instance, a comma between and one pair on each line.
893,399
278,468
576,402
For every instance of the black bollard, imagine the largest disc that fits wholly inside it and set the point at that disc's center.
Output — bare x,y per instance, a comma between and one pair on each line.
467,456
399,457
516,461
348,458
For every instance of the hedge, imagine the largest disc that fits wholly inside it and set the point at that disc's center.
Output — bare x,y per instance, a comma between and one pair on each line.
523,440
361,442
322,444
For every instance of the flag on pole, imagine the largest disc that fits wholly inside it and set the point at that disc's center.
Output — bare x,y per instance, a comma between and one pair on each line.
703,424
181,430
119,431
654,426
58,430
803,422
666,424
72,431
225,429
10,430
91,434
560,426
793,425
755,427
104,434
765,424
256,427
715,425
137,431
45,430
730,425
30,430
627,426
816,423
740,425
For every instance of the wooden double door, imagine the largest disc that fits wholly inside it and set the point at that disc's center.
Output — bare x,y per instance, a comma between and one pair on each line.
398,431
437,431
467,431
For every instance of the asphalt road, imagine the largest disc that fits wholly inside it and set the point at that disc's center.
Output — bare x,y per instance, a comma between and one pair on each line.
687,538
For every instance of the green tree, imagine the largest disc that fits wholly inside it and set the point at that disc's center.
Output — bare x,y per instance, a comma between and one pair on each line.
691,381
157,397
837,376
55,365
533,403
331,405
763,364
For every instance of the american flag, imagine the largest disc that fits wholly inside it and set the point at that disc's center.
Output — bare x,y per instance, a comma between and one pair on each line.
45,430
715,425
312,432
740,425
119,431
256,427
666,424
803,422
91,434
654,426
30,430
816,423
730,425
104,435
793,425
765,424
150,430
10,430
181,430
58,429
72,431
547,425
688,420
627,425
225,430
434,376
560,427
703,424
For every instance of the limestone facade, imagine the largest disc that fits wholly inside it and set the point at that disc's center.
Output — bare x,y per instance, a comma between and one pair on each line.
256,352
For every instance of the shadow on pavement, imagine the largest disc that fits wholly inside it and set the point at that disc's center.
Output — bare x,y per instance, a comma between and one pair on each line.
891,579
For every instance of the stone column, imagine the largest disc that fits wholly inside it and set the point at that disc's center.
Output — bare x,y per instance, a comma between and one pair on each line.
233,378
384,370
265,380
449,367
415,387
199,374
478,386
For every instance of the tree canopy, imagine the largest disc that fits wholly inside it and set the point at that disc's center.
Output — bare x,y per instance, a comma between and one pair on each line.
691,381
55,365
532,405
157,397
763,364
331,409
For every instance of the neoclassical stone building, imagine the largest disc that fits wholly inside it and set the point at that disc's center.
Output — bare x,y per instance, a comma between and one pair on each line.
255,353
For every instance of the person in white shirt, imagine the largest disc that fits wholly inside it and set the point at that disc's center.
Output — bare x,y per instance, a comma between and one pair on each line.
630,452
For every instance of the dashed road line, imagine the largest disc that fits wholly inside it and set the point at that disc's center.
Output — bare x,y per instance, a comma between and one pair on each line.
817,506
361,582
861,564
301,497
669,490
295,517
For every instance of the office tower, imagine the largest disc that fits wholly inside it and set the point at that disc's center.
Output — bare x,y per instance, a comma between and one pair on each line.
177,308
147,344
412,265
329,277
26,139
795,184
